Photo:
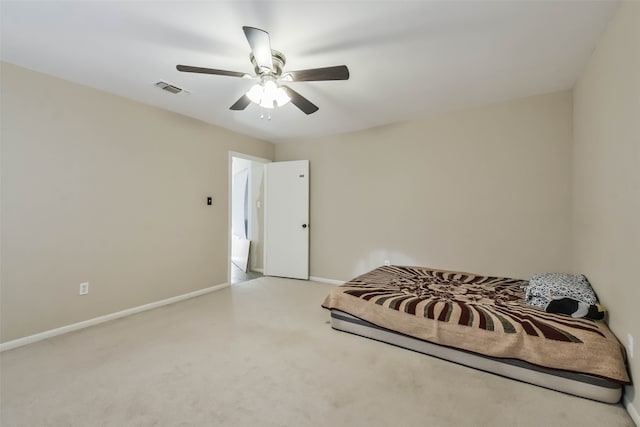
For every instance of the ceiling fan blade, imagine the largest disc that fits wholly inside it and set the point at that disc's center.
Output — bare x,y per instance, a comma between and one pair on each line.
339,72
260,46
190,69
241,103
300,101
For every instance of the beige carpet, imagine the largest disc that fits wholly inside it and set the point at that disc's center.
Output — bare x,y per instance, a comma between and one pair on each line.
261,354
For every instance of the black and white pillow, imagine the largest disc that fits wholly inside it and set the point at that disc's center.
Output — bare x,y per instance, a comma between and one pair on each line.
543,287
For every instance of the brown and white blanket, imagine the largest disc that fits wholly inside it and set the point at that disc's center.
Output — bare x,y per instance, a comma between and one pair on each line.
480,314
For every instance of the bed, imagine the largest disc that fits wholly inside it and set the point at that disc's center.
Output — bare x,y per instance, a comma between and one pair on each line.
481,322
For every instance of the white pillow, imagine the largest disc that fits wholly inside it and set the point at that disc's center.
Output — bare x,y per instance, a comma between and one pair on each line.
546,286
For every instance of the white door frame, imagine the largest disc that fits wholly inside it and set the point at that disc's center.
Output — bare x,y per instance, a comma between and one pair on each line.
233,154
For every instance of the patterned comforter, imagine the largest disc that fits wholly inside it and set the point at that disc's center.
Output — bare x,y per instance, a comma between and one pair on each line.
480,314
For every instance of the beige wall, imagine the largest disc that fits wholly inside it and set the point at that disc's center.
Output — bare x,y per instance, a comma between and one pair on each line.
102,189
606,179
485,190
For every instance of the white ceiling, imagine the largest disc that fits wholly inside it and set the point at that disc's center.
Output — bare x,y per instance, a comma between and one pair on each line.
407,59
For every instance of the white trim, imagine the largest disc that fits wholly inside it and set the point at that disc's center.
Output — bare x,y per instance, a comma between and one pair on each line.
633,413
107,317
258,270
249,157
323,280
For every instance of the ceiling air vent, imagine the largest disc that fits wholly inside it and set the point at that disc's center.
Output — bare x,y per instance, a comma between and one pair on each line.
169,87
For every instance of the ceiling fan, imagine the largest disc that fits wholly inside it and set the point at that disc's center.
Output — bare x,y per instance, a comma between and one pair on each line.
268,65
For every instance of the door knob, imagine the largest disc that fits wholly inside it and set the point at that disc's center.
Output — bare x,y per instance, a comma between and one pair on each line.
304,225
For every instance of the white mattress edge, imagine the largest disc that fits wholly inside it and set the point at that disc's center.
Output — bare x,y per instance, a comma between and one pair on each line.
566,385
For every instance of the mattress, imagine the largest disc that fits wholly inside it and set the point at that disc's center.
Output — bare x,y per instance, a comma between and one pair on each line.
481,322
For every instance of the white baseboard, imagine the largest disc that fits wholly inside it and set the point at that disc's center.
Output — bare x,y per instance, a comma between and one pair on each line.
323,280
258,270
633,413
107,317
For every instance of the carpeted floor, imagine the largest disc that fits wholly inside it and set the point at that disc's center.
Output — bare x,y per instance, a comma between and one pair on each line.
261,353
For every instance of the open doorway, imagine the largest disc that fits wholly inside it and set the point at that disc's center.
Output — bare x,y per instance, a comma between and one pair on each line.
246,218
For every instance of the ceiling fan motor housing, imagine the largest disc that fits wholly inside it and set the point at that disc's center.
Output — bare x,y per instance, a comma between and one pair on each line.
278,59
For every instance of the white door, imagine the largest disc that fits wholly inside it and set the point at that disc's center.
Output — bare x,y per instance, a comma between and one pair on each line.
286,219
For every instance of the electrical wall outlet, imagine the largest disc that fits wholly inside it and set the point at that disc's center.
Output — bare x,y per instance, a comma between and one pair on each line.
84,288
387,262
630,345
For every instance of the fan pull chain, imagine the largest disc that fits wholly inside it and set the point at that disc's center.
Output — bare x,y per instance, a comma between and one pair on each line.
262,114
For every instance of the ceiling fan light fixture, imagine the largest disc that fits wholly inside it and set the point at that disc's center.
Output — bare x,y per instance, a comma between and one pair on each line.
255,93
268,95
281,97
